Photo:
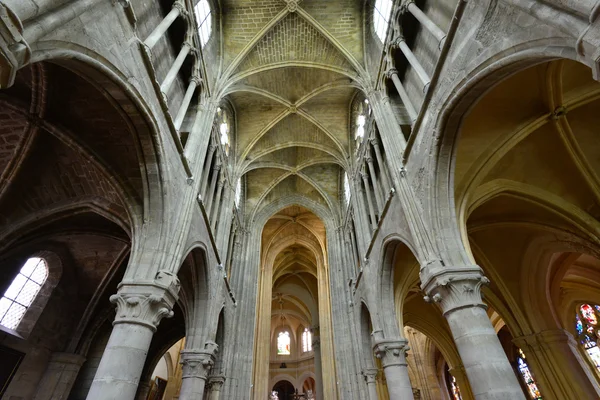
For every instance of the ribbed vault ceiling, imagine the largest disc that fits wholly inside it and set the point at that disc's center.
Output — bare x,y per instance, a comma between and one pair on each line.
290,72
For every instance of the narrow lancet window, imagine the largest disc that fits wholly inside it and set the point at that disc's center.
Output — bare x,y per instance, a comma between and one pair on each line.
587,329
381,17
204,20
532,388
306,341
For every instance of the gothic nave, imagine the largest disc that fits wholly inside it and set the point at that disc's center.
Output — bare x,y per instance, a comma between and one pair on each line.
299,199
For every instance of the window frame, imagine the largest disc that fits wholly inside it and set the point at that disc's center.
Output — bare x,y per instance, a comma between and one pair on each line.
381,23
204,21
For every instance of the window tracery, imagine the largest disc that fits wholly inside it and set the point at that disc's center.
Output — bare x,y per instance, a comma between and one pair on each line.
381,17
306,341
283,343
22,292
588,332
204,19
532,388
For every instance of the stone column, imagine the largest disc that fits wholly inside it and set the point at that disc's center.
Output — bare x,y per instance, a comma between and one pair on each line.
427,23
174,70
185,104
196,367
211,189
382,166
370,375
410,56
140,309
360,212
316,345
410,109
59,377
458,292
558,366
158,32
209,158
376,186
217,203
215,384
369,201
392,353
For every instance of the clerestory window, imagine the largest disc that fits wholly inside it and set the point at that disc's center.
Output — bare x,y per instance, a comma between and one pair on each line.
306,341
283,343
381,17
346,189
532,388
238,193
22,292
204,20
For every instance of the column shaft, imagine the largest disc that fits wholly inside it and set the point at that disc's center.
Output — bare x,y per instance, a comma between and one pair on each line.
161,28
427,23
376,186
410,109
458,290
207,169
318,368
382,166
196,367
185,104
392,354
410,56
369,202
172,74
211,189
217,204
370,375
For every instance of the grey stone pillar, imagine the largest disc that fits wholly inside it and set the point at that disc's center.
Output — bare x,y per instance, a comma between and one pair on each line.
210,194
217,204
174,70
185,104
458,292
360,213
410,109
369,201
427,23
139,311
316,345
382,166
196,365
376,186
209,158
558,366
215,384
158,32
59,377
392,353
370,375
410,56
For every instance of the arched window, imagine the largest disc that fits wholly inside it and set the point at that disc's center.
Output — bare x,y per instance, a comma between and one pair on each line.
586,326
381,17
204,20
223,121
306,340
346,188
283,343
534,392
238,193
22,291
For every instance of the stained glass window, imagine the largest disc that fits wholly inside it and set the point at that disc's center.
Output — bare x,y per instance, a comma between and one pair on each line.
454,388
588,332
306,340
532,388
204,20
381,17
283,343
22,291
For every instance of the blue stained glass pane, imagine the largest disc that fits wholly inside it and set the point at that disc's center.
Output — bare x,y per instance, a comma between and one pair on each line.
578,325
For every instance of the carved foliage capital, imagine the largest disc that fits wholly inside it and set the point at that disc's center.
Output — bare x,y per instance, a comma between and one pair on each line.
455,288
198,363
141,309
215,383
370,375
391,352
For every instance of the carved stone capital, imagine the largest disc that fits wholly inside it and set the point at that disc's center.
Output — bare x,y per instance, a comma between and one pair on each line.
454,288
14,50
391,351
146,303
370,375
391,72
215,383
198,363
181,7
